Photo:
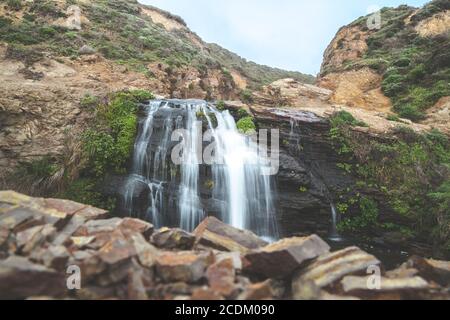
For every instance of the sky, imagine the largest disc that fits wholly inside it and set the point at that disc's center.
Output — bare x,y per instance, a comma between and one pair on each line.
288,34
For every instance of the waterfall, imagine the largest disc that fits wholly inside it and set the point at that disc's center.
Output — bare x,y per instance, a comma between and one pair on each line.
171,194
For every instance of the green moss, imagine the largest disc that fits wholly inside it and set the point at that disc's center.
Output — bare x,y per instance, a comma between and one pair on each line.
365,220
110,145
246,125
85,191
410,171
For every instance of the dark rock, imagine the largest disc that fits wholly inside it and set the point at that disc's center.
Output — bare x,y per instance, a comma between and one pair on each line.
221,278
185,266
281,259
20,278
218,235
173,239
332,267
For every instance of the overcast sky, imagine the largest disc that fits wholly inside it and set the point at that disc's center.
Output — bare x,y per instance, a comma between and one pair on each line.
289,34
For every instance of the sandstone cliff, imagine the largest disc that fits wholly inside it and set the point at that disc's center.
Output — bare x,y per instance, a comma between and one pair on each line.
401,66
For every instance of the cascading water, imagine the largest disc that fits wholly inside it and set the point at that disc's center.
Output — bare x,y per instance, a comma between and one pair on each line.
232,186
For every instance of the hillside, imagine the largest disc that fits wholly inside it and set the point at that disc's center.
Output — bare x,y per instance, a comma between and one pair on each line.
143,38
404,66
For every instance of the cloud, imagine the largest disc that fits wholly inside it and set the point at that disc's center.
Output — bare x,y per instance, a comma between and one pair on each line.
290,34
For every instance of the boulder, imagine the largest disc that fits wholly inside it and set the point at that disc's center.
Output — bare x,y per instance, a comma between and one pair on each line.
221,278
145,251
260,291
186,266
432,270
20,278
54,257
401,288
86,50
170,239
330,268
215,234
32,238
282,258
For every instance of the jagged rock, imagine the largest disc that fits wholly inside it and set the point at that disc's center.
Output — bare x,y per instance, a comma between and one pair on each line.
235,257
170,239
221,278
185,266
21,218
432,270
117,250
281,259
259,291
145,251
136,286
82,242
72,226
392,288
54,257
7,243
95,293
32,238
128,225
329,268
172,290
20,278
218,235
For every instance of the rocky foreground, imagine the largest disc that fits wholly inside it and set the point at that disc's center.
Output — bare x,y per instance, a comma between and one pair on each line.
41,240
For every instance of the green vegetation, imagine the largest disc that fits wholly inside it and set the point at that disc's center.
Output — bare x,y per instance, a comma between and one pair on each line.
415,70
109,145
410,172
121,32
246,125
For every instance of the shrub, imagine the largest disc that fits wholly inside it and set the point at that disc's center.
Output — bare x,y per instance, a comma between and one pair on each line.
342,118
246,96
110,145
246,125
14,4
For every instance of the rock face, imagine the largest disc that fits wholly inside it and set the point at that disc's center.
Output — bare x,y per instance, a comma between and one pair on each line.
115,259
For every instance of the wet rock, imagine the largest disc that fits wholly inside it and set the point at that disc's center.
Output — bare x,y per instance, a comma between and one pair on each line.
185,266
218,235
20,278
221,278
432,270
393,288
332,267
282,258
32,238
170,239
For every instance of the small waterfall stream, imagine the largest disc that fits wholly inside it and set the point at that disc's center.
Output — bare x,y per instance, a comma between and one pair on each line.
232,187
